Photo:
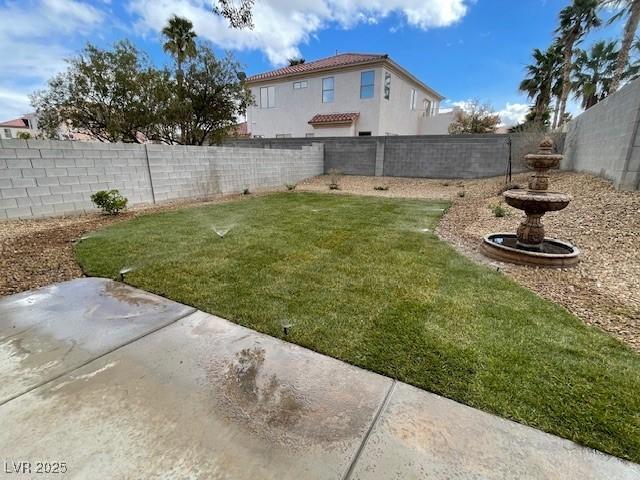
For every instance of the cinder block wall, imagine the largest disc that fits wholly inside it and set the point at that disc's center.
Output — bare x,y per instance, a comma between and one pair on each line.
605,139
42,178
430,156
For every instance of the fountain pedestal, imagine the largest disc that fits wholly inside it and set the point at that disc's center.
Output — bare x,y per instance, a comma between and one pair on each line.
528,245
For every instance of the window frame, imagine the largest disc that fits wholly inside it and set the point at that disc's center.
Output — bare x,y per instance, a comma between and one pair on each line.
413,100
8,133
428,103
332,89
370,86
387,86
300,83
270,96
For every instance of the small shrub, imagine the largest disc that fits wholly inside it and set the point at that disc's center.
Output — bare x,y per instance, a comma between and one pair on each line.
334,177
498,210
110,201
445,184
24,135
381,187
290,186
246,191
461,193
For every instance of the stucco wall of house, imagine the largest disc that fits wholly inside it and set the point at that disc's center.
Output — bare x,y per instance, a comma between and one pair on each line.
295,107
396,116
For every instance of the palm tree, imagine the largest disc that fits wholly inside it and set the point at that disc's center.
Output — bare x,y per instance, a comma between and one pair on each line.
631,9
593,73
575,21
180,41
542,74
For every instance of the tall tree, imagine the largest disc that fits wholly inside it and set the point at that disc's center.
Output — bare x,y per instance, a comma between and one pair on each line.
541,76
630,9
103,93
295,61
213,97
575,21
593,73
180,42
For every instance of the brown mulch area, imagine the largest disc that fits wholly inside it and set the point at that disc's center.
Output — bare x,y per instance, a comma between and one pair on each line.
34,253
603,290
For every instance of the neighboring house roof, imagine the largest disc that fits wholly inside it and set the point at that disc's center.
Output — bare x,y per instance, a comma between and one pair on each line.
16,123
334,118
239,130
337,62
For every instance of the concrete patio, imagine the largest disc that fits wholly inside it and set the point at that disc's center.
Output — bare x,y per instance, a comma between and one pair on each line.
120,383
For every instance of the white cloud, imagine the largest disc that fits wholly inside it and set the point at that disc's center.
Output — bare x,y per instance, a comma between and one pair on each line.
513,113
28,56
282,25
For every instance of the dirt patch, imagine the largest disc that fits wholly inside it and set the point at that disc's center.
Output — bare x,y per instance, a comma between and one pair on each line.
34,253
603,290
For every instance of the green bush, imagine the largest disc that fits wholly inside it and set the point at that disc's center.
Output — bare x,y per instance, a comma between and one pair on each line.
498,210
110,201
381,187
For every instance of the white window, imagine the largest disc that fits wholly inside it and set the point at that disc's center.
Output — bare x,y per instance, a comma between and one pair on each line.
426,103
267,97
327,90
387,85
412,105
7,133
366,84
300,84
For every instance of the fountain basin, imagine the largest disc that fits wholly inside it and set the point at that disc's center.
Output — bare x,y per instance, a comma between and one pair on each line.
537,202
554,253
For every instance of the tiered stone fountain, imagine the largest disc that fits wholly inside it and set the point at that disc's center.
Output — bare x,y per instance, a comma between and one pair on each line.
529,246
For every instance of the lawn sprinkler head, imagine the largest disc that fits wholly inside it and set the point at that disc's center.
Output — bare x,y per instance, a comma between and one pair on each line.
222,231
286,327
123,272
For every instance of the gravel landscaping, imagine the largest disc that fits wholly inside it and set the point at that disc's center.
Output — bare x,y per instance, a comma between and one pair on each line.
603,290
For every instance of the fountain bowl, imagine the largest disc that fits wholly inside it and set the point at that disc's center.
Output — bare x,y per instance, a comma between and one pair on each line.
540,202
554,253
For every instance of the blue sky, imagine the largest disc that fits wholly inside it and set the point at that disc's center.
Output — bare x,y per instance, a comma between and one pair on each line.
462,48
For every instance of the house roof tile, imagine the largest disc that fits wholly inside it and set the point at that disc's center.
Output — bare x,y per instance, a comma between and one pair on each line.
16,123
341,60
348,117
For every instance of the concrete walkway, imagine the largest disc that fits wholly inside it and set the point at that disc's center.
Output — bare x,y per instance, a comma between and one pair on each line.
118,383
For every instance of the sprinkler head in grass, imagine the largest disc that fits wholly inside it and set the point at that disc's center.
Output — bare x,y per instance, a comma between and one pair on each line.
221,231
123,272
286,326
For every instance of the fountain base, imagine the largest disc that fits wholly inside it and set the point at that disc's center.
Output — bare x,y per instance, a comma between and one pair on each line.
553,253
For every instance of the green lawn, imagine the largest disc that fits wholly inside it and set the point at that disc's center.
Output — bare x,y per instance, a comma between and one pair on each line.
360,281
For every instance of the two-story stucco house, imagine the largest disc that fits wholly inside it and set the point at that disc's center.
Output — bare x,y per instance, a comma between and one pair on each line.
349,94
